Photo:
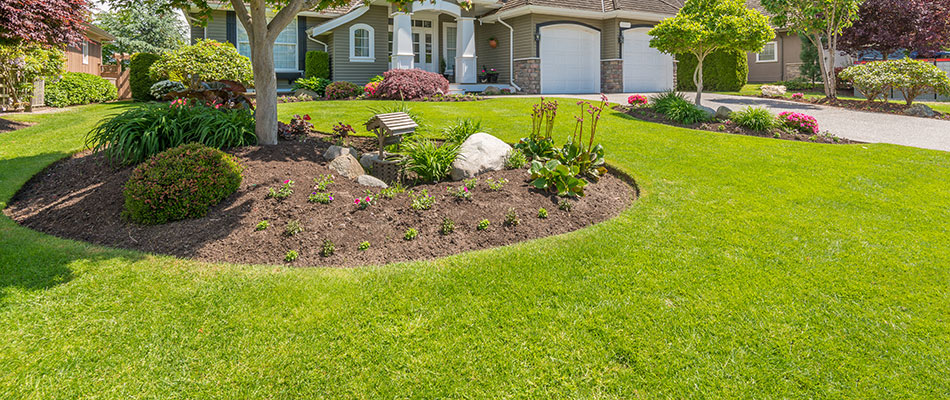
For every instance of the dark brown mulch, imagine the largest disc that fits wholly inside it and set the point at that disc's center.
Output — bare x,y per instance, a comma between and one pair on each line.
10,126
861,105
81,198
649,115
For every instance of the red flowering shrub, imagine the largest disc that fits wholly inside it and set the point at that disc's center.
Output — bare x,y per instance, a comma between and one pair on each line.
342,90
180,183
411,84
802,123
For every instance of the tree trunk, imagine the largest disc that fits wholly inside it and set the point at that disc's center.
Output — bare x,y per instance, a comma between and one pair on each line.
265,88
698,79
827,73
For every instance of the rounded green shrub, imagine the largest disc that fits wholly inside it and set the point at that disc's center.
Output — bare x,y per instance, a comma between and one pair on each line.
723,71
204,61
317,65
180,183
79,88
139,80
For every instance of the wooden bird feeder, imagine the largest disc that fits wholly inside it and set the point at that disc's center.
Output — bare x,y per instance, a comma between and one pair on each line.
390,128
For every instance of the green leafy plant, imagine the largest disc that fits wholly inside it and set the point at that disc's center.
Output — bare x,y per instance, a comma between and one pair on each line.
539,145
460,193
447,227
314,84
685,113
323,182
291,256
483,224
411,234
874,79
263,225
205,61
755,118
558,178
365,202
79,88
511,218
282,192
320,197
430,162
317,65
293,227
516,159
392,191
565,205
180,183
364,245
723,71
462,130
421,201
139,81
162,88
471,183
542,213
148,129
327,249
497,185
342,90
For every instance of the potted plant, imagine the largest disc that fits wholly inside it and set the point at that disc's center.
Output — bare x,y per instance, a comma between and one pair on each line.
491,75
493,43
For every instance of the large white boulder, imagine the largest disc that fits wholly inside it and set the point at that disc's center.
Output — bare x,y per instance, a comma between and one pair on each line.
346,165
773,91
371,181
480,153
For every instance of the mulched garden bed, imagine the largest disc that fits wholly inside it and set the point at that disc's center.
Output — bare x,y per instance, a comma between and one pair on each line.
861,105
10,126
81,198
647,114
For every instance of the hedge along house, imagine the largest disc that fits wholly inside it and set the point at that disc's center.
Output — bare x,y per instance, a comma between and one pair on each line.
536,46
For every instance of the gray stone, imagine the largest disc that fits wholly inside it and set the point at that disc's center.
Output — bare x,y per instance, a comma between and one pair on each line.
307,92
346,165
479,154
710,113
723,113
773,91
920,110
371,181
367,159
491,90
335,151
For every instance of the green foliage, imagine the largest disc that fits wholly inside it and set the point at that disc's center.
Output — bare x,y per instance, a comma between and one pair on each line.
755,118
723,71
283,191
447,226
565,205
915,77
471,183
460,193
263,225
327,249
320,197
364,245
315,84
293,227
79,88
496,185
811,67
483,224
430,162
677,109
557,178
20,66
291,256
799,83
205,61
392,191
323,182
511,218
162,88
180,183
140,27
139,80
421,201
317,65
462,130
411,234
542,213
516,159
148,129
541,149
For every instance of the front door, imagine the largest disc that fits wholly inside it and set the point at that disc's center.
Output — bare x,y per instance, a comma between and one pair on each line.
422,37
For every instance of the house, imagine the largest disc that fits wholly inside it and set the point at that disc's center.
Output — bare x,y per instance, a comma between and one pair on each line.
536,46
87,57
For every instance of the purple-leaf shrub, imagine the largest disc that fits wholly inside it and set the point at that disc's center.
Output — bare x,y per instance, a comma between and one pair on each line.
411,84
342,90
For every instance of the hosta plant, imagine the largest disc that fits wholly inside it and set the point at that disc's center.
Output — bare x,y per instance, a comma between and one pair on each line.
558,178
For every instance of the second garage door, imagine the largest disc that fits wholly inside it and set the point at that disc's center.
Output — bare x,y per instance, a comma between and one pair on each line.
645,69
570,59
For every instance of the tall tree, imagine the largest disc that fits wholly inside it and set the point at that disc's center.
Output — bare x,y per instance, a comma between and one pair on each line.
141,28
704,26
262,28
888,26
46,22
810,69
822,22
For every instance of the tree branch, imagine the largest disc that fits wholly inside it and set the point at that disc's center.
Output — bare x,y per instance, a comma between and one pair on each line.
283,18
241,10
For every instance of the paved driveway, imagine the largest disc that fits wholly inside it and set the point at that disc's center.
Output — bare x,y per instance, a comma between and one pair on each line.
855,125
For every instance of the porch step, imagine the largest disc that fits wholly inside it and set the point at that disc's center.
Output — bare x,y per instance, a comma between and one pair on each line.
462,88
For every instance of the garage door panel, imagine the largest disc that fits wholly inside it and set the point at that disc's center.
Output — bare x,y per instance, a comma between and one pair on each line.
645,69
570,59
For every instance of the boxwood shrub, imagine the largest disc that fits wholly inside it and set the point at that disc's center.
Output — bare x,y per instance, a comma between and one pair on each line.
723,71
180,183
317,65
79,88
139,80
204,61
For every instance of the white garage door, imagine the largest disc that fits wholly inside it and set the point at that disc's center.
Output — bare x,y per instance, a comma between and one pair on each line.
645,69
570,59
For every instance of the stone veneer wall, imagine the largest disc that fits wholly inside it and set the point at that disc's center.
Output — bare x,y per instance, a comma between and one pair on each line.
528,75
611,76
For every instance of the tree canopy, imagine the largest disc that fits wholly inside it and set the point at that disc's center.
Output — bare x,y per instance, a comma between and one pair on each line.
47,22
141,28
888,26
704,26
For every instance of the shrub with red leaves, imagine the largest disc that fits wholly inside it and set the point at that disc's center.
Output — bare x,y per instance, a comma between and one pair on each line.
49,22
411,84
180,183
342,90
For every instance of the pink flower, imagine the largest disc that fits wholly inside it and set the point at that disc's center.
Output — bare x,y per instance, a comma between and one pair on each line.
287,181
357,201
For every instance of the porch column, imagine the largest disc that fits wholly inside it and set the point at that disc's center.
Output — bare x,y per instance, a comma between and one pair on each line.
466,64
403,57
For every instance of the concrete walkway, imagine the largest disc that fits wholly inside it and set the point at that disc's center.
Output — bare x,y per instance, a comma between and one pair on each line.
861,126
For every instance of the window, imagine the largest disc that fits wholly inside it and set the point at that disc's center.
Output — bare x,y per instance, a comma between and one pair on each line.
285,47
450,35
362,43
769,53
85,51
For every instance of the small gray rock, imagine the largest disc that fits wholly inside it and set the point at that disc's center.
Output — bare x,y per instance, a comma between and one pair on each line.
491,91
371,181
710,113
920,110
367,159
480,153
335,151
723,113
307,92
346,165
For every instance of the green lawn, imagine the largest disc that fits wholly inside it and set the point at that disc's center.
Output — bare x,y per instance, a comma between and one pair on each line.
750,267
756,89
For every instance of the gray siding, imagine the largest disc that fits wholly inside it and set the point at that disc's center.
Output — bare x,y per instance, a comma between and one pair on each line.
497,58
361,72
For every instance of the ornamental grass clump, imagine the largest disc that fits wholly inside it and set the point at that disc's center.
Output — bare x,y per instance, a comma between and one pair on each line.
799,122
429,161
755,118
181,183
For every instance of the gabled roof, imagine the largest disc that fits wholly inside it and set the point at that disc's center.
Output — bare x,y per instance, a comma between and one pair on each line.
96,33
649,6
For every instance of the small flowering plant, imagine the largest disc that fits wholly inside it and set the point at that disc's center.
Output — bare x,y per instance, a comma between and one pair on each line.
798,96
365,202
461,193
496,185
319,197
283,192
800,122
422,201
342,130
637,101
371,88
323,182
297,128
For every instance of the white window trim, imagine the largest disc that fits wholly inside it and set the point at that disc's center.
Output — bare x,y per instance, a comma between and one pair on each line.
372,43
240,27
758,56
85,52
445,46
